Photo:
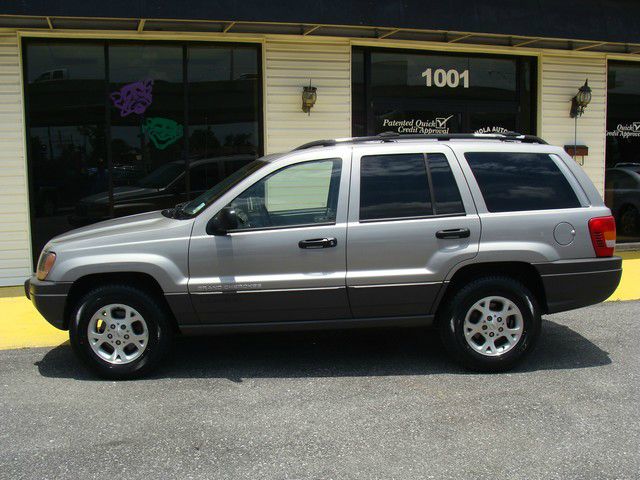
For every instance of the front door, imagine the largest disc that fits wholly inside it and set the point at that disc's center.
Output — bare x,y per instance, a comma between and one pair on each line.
286,261
411,219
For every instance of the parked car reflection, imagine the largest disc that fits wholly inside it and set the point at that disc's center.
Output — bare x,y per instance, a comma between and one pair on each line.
622,195
162,188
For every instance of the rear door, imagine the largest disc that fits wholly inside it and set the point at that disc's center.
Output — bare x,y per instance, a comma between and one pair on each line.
411,219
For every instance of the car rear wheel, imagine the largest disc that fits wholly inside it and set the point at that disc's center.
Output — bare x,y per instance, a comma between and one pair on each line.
630,221
120,331
490,324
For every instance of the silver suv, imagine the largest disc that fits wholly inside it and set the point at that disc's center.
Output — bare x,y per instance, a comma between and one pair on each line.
478,235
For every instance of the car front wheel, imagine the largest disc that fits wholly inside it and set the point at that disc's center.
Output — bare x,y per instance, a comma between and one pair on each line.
120,331
490,324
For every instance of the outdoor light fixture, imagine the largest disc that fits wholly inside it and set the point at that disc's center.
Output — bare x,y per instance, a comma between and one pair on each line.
578,103
581,100
309,97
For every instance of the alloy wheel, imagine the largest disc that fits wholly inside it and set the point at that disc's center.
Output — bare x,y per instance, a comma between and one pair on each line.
493,326
118,334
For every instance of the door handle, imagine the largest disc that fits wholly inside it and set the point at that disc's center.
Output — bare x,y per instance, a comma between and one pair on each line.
318,243
454,233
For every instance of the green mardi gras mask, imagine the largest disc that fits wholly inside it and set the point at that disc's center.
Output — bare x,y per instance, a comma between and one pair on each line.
162,131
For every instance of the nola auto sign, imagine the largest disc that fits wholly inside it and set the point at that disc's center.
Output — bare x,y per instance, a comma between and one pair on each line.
628,130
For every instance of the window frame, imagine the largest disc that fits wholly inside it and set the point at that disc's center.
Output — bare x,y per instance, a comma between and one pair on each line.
280,169
425,157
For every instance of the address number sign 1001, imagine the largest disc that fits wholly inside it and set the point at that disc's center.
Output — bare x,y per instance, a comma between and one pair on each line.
446,78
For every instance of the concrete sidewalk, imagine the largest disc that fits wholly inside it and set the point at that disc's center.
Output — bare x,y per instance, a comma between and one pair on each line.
21,326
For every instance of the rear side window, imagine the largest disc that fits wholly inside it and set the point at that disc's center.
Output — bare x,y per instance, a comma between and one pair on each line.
445,190
407,185
512,182
393,186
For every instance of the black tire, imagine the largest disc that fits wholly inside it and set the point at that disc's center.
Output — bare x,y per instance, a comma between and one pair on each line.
451,319
629,223
156,317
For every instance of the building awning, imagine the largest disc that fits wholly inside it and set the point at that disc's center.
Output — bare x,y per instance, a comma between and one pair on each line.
593,25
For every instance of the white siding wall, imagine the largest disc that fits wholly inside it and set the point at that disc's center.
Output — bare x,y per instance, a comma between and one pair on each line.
288,68
15,263
561,76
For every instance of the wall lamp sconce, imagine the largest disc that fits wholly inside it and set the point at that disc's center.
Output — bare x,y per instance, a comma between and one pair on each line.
309,97
580,101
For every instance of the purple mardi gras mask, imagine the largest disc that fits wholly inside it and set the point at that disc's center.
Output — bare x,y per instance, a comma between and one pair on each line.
133,98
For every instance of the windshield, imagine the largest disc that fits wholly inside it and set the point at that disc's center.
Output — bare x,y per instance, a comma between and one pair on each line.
201,201
161,177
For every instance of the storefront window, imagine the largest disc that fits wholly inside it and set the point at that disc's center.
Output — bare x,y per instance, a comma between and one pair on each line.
65,90
416,92
622,174
147,130
224,129
117,128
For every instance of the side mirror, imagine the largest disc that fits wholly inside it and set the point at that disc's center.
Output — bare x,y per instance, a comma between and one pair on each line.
225,220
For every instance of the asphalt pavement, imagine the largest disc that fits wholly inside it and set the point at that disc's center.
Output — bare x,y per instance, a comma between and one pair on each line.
375,404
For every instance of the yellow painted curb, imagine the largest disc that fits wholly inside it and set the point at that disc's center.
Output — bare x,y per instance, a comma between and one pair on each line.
629,288
21,326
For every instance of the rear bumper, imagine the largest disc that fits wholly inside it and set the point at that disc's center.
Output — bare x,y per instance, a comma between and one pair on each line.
570,284
49,298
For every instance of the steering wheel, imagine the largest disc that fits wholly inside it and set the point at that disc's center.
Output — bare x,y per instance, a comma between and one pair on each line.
258,217
264,213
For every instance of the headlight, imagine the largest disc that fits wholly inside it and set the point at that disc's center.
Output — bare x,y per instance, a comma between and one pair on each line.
47,259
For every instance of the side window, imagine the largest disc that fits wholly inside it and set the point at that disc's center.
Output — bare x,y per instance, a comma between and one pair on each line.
512,182
301,194
445,189
394,186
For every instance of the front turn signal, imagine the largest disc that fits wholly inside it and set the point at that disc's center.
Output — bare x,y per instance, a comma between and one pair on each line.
47,259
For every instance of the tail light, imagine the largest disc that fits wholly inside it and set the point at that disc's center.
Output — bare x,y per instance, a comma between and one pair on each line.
603,235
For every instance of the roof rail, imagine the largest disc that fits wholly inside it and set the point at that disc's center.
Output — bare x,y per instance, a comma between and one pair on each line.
443,137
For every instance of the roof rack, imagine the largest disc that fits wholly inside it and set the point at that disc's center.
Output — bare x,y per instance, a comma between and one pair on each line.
442,137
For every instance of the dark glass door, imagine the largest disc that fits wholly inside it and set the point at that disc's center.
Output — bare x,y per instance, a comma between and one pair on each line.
427,93
622,175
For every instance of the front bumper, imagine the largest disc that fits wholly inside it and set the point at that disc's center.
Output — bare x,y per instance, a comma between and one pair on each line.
49,298
570,284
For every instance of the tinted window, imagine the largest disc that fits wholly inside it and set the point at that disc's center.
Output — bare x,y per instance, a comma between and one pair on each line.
521,181
66,136
445,190
302,194
623,148
223,103
110,124
393,186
